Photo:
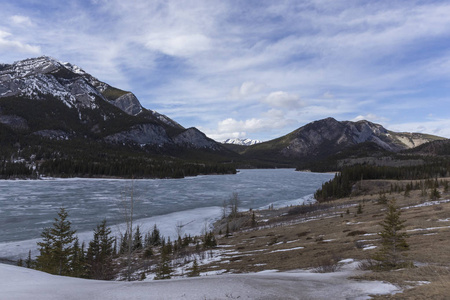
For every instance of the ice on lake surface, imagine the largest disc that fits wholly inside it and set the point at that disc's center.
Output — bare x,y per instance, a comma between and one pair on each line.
28,206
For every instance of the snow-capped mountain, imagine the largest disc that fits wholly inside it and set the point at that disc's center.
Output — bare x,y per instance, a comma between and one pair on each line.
76,104
243,142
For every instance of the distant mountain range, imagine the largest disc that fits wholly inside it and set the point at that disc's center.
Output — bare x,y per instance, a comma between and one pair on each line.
55,113
242,142
324,138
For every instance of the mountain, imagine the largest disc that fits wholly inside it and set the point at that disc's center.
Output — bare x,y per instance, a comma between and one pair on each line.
242,142
94,102
42,100
434,148
58,120
323,138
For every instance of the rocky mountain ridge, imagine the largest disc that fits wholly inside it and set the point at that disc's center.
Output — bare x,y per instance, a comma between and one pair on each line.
242,142
45,78
328,136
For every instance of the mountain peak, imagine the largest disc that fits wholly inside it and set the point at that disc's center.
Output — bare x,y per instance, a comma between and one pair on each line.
32,66
243,142
91,108
322,138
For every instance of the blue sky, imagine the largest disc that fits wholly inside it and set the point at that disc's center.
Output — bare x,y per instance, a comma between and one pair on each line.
252,69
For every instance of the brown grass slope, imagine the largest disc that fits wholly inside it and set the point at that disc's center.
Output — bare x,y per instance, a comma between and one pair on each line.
319,236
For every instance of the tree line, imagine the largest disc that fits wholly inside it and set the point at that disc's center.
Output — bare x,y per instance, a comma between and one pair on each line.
341,185
61,253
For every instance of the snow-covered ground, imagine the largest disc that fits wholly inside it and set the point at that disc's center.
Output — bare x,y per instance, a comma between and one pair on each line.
20,283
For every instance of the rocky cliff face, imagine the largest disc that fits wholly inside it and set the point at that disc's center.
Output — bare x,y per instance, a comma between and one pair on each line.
329,136
103,112
193,138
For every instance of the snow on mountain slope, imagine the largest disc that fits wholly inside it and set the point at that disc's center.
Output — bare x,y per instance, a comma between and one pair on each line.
36,77
243,142
45,78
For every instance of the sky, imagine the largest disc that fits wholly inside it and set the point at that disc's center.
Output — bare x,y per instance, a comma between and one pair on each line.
252,69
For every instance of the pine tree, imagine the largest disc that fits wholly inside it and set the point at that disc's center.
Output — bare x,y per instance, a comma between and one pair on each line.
360,209
29,262
254,223
209,240
392,239
164,270
195,271
148,252
137,242
435,194
78,260
56,249
20,262
155,237
124,243
100,253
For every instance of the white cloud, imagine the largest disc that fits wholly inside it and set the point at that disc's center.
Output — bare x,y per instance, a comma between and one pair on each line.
232,128
247,88
21,20
283,99
6,44
370,117
328,95
178,45
192,58
439,127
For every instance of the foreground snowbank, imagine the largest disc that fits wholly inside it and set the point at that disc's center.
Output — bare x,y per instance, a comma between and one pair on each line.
21,283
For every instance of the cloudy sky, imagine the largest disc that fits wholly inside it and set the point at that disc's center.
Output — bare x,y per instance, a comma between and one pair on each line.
252,69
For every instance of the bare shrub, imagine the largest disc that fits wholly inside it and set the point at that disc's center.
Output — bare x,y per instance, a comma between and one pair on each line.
356,232
368,264
359,244
328,265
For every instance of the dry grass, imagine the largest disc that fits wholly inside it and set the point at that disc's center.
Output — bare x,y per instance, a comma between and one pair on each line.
314,239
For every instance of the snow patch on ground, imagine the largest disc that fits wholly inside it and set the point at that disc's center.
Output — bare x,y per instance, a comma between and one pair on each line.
284,250
21,283
369,247
428,203
426,229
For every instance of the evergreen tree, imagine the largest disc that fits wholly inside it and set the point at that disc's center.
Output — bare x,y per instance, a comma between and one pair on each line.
382,199
254,223
124,243
100,253
155,237
137,242
164,270
360,209
20,262
209,240
29,262
78,260
56,249
195,271
435,194
148,252
393,241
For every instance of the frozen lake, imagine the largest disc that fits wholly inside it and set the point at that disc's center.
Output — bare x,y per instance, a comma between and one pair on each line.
26,207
